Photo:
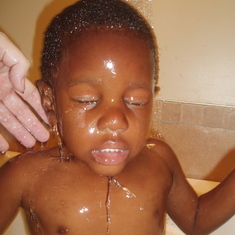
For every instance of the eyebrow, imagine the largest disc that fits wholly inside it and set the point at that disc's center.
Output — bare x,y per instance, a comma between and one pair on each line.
143,85
94,82
82,80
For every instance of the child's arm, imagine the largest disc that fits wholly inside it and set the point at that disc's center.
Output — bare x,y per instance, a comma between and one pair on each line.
198,215
10,194
218,205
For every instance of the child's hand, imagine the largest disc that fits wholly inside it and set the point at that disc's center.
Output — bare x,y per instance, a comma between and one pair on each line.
15,114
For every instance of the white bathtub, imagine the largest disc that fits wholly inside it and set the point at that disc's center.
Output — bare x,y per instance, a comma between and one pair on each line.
19,227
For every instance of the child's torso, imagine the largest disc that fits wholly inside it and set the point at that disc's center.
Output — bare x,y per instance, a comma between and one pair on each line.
65,200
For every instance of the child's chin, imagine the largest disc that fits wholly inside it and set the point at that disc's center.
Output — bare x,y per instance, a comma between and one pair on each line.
108,170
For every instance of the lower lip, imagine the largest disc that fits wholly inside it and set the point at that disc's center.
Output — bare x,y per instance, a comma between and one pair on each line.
110,158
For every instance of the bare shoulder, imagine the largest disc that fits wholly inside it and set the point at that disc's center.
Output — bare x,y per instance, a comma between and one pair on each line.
161,150
32,157
23,166
163,155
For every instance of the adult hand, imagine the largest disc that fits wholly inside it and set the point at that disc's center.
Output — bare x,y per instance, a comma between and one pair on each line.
15,114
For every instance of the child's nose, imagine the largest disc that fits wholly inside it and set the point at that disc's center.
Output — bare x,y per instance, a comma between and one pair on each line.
113,119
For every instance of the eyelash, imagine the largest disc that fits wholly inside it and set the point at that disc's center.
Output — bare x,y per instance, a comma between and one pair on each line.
87,102
94,102
135,103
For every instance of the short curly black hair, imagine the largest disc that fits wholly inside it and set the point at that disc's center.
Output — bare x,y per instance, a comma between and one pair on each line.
87,15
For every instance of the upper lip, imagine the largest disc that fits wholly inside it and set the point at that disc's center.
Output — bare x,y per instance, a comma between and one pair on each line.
111,146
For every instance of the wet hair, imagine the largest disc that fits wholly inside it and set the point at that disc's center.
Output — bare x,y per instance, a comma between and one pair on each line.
88,15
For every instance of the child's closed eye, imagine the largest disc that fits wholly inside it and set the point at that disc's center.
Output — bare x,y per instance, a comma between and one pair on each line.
135,101
137,97
87,101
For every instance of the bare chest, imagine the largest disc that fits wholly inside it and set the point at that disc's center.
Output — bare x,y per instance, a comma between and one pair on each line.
100,206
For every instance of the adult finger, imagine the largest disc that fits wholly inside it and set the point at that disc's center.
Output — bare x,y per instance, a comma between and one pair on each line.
9,121
4,146
25,116
13,58
32,96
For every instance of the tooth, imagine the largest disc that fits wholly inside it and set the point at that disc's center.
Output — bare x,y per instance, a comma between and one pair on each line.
108,150
111,150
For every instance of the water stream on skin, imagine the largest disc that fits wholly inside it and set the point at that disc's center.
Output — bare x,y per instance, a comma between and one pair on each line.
111,182
34,218
129,194
108,204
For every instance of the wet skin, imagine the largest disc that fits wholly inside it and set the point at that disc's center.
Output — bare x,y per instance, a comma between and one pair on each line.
68,196
103,104
104,96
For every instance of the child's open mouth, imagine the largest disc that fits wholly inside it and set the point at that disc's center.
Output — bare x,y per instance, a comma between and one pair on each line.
110,157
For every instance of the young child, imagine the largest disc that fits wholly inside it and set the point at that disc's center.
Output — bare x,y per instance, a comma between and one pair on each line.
98,85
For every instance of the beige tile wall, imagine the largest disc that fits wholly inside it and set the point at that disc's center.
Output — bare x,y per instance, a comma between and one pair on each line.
202,136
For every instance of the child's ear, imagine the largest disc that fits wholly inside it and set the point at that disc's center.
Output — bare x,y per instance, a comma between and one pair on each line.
47,99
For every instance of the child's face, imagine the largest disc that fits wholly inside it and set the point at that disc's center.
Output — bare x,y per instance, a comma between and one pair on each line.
104,96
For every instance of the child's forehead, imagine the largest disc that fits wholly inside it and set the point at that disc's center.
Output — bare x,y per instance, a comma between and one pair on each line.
92,63
98,53
108,44
122,54
112,39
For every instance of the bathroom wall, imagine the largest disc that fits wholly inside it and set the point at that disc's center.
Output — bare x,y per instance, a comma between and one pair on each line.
196,42
202,136
25,22
194,109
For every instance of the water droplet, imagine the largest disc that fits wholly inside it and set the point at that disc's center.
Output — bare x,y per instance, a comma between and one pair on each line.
42,145
63,230
92,130
69,110
114,133
83,210
149,146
